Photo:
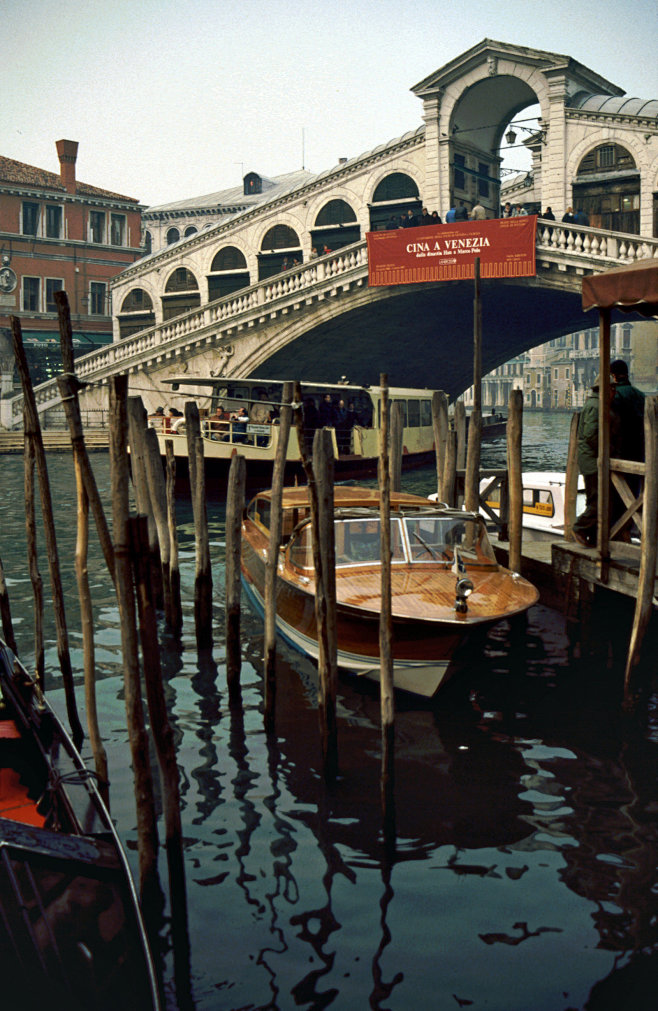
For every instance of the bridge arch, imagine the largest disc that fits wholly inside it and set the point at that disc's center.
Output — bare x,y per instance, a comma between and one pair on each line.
334,225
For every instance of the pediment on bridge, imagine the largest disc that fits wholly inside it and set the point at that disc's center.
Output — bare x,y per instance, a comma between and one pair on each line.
490,53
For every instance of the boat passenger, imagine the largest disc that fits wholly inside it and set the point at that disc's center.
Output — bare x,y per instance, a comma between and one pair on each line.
239,419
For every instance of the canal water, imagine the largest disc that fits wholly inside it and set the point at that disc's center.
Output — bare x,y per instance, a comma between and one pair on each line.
524,876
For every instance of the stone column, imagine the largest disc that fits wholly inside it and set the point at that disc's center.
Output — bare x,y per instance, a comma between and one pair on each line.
431,195
555,189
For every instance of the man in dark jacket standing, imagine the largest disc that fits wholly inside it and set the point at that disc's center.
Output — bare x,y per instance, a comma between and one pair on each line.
584,529
630,404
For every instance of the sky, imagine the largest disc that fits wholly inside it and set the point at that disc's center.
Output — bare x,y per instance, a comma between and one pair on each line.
170,100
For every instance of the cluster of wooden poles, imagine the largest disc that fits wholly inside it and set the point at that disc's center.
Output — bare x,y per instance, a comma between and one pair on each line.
144,570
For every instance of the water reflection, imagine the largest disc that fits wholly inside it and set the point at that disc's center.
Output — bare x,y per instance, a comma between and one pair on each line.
526,812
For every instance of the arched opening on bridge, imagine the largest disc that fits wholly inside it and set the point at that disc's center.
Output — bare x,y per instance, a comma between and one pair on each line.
479,121
136,313
607,188
173,235
181,293
190,230
279,250
228,273
393,197
335,226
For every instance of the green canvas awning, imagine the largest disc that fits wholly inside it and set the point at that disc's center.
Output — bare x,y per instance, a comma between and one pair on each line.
81,339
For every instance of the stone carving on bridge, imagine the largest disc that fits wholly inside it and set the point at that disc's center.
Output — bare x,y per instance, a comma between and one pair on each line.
492,66
225,354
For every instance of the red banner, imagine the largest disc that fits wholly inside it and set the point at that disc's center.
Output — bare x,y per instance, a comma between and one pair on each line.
506,247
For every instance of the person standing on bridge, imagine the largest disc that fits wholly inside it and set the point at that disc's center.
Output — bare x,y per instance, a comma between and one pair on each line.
478,212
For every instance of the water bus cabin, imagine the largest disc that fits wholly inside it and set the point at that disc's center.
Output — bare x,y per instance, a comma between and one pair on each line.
242,415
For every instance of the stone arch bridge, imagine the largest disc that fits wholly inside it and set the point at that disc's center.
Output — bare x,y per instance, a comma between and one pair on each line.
322,321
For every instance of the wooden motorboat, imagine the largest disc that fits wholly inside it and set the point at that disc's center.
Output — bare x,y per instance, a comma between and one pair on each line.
71,932
446,583
247,421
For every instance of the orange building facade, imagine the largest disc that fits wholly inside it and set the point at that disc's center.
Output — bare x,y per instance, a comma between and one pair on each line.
57,233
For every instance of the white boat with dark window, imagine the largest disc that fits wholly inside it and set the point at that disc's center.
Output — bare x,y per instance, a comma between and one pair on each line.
543,503
242,415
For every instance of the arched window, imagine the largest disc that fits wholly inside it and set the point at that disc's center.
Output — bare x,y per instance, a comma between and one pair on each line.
181,293
228,273
136,313
148,243
280,237
335,226
173,235
182,279
228,258
397,186
137,300
607,189
190,230
336,212
280,250
393,197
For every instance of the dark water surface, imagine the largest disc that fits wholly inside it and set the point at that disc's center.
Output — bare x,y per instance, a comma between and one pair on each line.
527,809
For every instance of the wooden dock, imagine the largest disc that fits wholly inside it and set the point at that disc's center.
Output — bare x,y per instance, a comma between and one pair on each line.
56,441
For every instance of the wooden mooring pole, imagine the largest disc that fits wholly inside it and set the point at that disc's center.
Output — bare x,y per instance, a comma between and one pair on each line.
472,478
203,575
234,507
396,447
272,564
440,427
33,432
147,833
515,478
174,569
571,479
387,703
33,560
323,468
137,425
460,428
647,578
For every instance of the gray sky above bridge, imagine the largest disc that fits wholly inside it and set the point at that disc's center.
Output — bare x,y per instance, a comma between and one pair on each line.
175,99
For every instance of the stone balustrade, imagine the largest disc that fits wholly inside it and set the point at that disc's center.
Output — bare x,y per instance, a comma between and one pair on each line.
565,246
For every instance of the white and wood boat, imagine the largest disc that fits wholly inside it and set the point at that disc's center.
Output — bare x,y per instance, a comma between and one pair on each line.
446,583
543,503
71,931
247,421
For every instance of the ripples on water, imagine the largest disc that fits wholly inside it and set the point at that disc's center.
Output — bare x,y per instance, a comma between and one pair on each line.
525,872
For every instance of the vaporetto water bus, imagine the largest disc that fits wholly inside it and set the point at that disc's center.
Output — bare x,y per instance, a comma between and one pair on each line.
242,415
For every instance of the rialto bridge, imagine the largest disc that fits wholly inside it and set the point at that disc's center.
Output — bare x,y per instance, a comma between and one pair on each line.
245,294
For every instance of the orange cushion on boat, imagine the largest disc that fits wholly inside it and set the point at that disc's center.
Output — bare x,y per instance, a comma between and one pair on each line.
15,803
8,730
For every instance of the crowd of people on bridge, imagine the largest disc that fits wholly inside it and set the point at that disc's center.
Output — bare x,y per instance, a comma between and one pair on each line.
459,212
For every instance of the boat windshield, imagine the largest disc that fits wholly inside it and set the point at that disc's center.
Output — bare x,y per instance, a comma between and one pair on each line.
435,538
416,539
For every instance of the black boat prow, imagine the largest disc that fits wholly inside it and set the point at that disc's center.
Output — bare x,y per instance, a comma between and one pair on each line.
71,931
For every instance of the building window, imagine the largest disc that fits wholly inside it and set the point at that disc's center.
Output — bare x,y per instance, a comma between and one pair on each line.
148,243
97,226
190,230
459,177
31,294
483,179
30,218
173,235
97,298
53,284
53,222
117,230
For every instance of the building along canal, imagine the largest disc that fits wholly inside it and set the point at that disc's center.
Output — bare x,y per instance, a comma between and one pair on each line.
524,876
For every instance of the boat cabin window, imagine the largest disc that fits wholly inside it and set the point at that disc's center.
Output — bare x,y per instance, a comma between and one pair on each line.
434,538
259,512
425,413
301,548
358,541
538,502
414,413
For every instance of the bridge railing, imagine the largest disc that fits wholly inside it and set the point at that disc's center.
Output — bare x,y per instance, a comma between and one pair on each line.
592,247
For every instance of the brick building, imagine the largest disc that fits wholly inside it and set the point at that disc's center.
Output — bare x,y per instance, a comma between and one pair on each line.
57,233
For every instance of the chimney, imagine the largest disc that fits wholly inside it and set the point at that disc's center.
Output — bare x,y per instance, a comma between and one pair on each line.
342,161
67,152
